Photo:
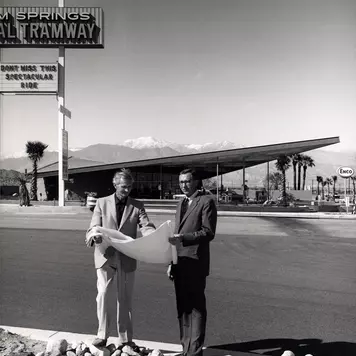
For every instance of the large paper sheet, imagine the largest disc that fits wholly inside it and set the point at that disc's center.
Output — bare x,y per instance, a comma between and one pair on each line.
151,248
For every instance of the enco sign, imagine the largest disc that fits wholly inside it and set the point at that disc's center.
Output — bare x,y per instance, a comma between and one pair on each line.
345,172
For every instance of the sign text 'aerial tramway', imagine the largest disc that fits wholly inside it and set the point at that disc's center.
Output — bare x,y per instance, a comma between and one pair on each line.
51,27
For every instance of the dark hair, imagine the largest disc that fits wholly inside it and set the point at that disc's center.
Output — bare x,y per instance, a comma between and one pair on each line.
195,175
124,174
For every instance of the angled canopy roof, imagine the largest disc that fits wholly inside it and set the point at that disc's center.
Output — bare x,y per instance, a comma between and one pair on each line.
228,160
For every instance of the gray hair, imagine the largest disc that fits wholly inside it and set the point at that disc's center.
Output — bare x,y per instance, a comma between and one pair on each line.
124,174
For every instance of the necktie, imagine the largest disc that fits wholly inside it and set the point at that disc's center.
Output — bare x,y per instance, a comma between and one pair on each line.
184,207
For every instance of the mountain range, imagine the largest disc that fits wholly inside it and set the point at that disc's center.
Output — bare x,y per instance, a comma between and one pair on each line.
148,147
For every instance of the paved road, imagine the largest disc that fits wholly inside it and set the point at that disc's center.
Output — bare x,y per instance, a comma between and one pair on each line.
275,283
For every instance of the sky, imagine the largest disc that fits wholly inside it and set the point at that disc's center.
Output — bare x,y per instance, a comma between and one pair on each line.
252,72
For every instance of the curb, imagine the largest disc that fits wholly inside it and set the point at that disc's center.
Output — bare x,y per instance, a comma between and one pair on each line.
45,335
75,210
287,215
166,348
252,214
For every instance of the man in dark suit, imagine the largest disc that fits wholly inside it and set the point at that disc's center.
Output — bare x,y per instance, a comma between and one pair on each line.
117,211
196,219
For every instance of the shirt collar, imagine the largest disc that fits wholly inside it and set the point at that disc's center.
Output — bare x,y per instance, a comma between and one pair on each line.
194,195
120,201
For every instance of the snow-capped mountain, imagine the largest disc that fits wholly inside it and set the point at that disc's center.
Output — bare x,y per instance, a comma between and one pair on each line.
14,155
213,146
21,154
160,147
151,142
130,150
145,142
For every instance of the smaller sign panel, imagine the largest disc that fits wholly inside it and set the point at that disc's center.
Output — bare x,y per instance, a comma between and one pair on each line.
65,153
345,172
65,112
28,78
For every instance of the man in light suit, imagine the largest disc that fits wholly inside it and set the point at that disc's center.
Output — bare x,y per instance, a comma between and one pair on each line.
117,211
195,226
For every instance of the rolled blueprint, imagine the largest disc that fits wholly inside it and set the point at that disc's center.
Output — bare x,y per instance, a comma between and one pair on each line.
151,248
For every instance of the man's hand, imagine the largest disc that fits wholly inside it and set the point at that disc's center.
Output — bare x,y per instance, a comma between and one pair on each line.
93,237
177,238
170,272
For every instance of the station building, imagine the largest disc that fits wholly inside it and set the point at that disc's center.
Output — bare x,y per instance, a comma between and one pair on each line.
157,178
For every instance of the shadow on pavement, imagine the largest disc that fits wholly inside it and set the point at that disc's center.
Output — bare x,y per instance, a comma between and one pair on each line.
276,347
298,227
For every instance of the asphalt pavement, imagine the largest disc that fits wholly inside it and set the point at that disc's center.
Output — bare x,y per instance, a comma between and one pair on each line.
275,283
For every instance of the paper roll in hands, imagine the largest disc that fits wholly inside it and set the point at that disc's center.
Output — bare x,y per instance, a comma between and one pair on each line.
151,248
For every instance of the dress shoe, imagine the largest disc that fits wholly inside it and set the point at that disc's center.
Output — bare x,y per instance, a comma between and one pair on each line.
99,342
131,345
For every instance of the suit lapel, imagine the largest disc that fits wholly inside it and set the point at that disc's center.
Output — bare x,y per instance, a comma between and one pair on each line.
191,207
127,212
113,209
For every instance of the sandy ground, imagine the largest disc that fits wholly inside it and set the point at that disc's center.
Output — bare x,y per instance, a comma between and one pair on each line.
13,344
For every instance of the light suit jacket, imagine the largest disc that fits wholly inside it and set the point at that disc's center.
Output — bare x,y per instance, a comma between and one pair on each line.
198,228
134,216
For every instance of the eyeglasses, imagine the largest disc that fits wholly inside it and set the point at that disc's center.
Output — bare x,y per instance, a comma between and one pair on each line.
181,182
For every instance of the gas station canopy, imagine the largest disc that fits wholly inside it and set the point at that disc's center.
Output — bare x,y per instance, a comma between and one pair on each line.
207,163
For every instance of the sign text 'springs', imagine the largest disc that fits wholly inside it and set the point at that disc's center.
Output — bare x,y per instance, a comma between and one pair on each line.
69,27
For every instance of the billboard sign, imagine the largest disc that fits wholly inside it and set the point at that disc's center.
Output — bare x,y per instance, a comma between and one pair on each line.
28,78
345,172
51,27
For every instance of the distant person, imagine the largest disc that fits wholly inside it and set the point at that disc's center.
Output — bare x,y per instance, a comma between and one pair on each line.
117,211
195,226
23,193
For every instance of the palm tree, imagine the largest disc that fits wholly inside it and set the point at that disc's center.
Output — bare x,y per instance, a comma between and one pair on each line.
295,160
307,162
319,179
334,186
328,182
323,184
282,165
35,151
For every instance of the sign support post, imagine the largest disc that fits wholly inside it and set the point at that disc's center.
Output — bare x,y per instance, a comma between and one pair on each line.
345,173
1,95
61,117
345,192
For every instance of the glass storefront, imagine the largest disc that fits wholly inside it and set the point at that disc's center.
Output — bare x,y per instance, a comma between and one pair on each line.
150,186
147,185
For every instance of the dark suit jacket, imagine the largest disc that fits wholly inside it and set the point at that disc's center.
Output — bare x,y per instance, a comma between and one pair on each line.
133,217
198,228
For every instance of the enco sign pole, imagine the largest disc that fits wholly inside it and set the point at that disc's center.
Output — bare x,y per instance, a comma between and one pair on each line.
346,173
